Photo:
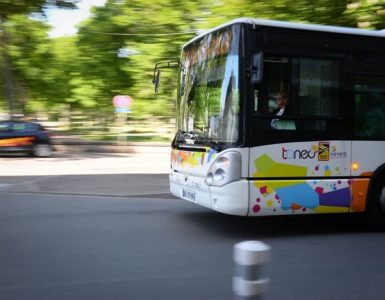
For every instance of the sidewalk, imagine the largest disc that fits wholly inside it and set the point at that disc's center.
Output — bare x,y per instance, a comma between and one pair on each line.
83,168
123,185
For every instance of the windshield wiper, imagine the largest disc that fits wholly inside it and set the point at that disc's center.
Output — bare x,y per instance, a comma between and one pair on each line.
195,138
217,146
189,134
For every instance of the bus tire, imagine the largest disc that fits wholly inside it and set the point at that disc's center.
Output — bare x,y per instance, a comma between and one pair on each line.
376,203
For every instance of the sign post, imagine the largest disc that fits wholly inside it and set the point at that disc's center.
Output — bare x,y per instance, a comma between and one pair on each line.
122,104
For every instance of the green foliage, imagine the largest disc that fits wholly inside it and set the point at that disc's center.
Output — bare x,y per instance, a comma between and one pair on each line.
131,25
17,7
368,14
24,48
27,50
85,71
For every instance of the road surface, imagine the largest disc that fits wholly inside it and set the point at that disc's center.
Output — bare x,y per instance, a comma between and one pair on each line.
121,235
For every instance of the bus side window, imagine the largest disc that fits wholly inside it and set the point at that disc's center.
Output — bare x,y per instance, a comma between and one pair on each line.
370,106
312,89
318,84
318,87
277,80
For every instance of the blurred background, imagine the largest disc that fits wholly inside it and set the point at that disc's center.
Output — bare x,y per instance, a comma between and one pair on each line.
63,62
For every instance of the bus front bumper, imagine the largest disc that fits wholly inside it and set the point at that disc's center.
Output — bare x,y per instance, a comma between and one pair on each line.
232,198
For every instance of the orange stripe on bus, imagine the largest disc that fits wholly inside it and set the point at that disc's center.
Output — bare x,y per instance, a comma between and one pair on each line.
359,193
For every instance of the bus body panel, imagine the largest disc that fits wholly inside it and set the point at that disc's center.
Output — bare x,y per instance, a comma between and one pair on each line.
303,177
359,194
317,159
368,155
367,158
282,197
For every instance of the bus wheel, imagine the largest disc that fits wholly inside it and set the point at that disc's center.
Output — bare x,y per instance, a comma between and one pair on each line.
376,205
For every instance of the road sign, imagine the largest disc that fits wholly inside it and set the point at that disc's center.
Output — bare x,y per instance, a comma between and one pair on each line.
122,109
122,101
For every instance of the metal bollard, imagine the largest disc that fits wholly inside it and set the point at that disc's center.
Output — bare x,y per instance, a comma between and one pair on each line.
250,281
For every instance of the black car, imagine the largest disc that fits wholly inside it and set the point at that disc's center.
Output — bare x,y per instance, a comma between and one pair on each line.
27,137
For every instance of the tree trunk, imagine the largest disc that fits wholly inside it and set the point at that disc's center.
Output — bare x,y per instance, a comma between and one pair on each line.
6,66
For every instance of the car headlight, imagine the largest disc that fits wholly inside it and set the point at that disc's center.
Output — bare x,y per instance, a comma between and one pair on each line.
225,169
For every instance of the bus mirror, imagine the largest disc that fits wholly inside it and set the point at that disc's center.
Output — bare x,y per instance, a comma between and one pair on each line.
162,65
156,80
256,67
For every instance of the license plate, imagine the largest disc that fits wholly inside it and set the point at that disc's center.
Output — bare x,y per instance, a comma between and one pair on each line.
189,195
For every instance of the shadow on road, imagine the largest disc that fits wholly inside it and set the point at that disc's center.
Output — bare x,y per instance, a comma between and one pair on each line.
276,226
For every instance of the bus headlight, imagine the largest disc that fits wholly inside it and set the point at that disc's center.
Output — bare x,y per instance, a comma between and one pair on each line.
225,169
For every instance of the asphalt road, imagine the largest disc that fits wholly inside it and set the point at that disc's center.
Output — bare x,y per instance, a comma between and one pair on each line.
88,173
123,236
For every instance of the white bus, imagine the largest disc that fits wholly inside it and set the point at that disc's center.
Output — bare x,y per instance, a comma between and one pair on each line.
324,152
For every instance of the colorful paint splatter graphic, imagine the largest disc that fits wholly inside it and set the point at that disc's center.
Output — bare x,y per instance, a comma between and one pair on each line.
304,196
191,158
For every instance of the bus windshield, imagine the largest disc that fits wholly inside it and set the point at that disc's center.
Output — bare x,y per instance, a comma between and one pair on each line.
208,100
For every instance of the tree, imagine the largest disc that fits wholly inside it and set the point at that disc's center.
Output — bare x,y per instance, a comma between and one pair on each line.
153,32
85,71
9,8
328,12
367,14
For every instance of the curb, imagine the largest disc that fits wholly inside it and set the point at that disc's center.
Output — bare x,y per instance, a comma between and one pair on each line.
78,145
105,148
93,148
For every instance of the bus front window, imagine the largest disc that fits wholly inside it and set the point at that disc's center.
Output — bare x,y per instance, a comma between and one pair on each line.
209,103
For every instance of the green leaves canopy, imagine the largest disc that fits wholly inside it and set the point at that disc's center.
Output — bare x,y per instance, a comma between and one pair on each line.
85,71
12,7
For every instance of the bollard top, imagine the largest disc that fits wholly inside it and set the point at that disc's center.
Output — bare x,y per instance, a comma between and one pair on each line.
251,253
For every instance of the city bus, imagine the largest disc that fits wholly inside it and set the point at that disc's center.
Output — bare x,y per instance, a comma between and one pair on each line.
323,153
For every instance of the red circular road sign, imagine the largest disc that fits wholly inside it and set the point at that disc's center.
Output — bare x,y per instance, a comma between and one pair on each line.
122,101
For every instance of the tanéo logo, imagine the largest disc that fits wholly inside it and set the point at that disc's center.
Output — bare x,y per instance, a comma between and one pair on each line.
299,154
